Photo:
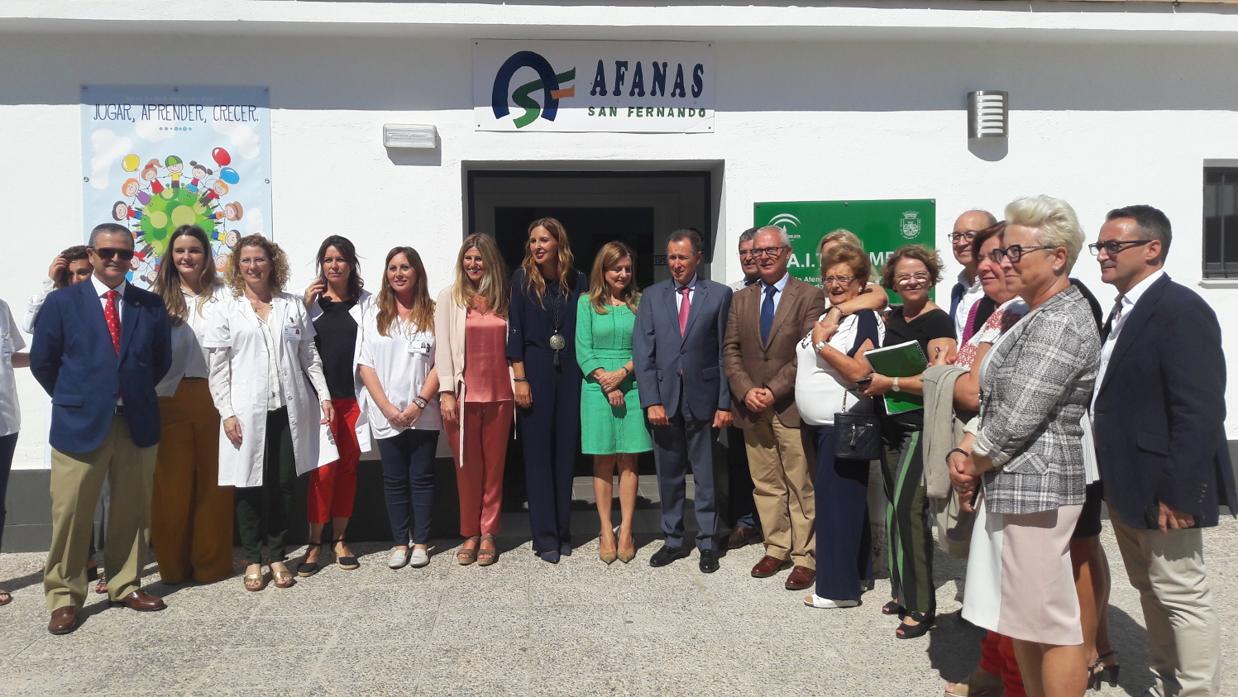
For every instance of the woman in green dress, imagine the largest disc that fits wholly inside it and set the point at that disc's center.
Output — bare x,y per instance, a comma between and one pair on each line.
611,420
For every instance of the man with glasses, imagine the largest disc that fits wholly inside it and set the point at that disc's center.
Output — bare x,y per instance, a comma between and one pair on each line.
741,507
967,295
767,320
1159,414
99,349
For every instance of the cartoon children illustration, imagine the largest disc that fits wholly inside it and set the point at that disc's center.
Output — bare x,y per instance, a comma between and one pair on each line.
231,211
122,212
199,172
150,175
175,167
216,189
130,189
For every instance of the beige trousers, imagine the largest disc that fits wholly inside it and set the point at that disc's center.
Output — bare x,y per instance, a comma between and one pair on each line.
76,480
782,489
1184,634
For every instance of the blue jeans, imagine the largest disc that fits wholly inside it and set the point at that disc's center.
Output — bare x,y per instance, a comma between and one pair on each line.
408,483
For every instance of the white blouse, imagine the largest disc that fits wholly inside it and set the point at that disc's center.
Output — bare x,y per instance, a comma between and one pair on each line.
402,360
11,342
820,392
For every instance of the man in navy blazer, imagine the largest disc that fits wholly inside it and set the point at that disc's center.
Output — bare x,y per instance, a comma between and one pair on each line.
99,349
677,352
1159,414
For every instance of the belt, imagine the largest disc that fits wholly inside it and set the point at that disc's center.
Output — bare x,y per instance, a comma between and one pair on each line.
120,410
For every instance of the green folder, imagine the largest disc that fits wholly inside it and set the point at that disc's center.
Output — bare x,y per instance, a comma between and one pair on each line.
899,361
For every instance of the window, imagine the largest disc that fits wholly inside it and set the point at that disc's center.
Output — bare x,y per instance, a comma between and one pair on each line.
1221,222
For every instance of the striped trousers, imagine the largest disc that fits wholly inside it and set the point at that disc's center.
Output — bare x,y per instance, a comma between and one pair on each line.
910,537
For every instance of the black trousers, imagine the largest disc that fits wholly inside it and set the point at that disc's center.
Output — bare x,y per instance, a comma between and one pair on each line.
262,511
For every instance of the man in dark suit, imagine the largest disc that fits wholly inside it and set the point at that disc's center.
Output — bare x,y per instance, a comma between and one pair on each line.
767,321
1159,413
677,352
99,349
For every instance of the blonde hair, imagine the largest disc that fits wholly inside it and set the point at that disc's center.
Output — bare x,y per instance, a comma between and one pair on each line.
279,264
609,255
842,236
493,284
533,278
1054,220
422,313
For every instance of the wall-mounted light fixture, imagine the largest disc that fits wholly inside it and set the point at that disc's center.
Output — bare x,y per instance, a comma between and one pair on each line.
405,136
988,114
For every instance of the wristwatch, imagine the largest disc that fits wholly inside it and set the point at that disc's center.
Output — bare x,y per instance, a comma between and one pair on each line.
895,387
820,346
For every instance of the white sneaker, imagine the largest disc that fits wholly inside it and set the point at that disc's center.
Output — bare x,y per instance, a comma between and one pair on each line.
398,558
815,600
420,557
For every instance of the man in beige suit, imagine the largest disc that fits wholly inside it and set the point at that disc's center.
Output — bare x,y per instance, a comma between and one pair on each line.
767,319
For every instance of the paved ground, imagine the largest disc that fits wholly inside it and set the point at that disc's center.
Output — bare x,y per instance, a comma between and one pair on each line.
521,627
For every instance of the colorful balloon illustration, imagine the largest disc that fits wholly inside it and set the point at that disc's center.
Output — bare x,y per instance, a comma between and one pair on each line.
229,175
130,163
221,157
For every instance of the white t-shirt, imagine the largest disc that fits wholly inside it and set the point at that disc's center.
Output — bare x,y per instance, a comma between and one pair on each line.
403,360
10,343
819,390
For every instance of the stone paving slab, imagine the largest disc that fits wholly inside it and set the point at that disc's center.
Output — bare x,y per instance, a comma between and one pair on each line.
523,627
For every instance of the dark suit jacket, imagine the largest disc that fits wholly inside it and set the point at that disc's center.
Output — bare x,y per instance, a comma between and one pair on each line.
682,373
73,359
750,363
1160,413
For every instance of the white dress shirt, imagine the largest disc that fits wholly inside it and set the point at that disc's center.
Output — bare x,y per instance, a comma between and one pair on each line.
691,286
971,296
101,290
780,285
1128,301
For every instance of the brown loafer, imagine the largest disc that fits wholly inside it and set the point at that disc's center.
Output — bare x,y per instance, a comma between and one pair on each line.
768,566
801,577
742,537
141,601
64,620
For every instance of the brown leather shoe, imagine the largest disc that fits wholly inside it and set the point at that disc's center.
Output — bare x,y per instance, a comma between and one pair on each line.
139,600
801,577
742,537
64,620
768,566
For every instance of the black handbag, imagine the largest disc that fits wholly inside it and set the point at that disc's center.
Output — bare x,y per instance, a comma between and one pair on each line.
856,436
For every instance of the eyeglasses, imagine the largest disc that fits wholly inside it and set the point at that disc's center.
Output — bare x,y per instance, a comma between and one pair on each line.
913,278
767,251
1112,247
831,280
970,235
747,254
106,253
1014,253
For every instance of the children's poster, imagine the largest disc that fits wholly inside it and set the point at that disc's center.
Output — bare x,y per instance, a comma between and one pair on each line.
156,158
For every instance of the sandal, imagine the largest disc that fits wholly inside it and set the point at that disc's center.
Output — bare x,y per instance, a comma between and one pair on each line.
1099,672
486,557
308,568
5,598
466,556
914,631
893,608
980,683
101,585
347,562
255,582
282,578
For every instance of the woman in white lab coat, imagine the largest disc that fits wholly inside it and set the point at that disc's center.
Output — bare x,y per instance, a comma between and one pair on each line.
336,304
262,351
190,514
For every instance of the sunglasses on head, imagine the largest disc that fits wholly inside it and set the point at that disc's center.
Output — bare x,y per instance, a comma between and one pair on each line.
106,253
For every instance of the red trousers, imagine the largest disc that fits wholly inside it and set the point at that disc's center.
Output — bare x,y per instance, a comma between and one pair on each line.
997,658
333,487
479,469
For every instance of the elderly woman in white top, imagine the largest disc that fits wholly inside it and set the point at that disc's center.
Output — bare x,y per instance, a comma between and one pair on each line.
829,365
262,351
1027,454
397,367
191,515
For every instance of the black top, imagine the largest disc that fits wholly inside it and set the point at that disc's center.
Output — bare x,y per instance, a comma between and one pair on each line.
336,337
935,324
1092,301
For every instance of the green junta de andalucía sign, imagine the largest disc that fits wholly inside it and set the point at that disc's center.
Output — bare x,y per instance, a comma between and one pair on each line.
883,226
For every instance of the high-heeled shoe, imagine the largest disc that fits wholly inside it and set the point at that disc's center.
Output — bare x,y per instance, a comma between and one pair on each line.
1099,673
914,631
627,552
607,556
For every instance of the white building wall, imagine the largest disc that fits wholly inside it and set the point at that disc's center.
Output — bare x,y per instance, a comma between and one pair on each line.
1099,124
